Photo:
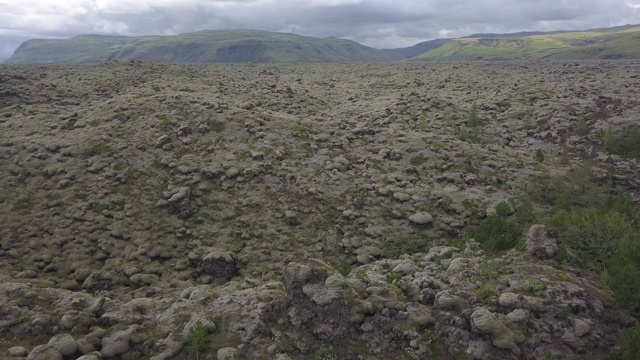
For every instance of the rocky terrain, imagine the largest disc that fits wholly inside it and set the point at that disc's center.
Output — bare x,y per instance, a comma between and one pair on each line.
303,211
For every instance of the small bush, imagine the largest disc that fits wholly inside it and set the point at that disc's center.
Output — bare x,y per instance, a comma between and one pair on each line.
484,292
325,352
216,126
563,314
536,287
165,122
574,189
594,234
630,343
96,147
563,254
474,118
525,216
624,143
344,268
489,269
393,276
417,160
620,275
496,233
199,339
539,156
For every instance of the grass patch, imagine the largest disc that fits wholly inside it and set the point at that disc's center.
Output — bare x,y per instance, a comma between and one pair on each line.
417,160
96,147
216,126
165,122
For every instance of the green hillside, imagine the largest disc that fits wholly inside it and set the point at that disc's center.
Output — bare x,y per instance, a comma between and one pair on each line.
612,43
211,46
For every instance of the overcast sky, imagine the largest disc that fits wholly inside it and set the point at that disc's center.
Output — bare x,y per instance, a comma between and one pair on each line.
376,23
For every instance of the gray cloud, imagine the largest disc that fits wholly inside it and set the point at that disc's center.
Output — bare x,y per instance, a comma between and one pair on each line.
377,23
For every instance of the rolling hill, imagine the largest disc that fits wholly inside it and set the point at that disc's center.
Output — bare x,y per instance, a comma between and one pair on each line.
252,46
209,46
611,43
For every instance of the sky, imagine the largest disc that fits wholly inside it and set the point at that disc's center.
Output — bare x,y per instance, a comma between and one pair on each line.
376,23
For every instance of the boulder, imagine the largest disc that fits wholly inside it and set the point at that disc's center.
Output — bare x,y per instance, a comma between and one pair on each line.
18,351
115,344
540,242
486,322
421,218
227,353
44,352
64,343
220,265
98,280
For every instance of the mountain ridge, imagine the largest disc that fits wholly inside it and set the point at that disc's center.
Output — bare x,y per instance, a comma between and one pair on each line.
206,46
256,46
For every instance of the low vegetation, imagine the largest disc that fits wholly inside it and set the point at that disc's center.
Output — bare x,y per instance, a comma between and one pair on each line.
625,142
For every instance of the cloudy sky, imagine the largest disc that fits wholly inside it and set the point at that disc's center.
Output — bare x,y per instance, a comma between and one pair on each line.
377,23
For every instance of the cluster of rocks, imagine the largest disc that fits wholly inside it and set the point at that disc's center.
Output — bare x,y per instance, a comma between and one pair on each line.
141,198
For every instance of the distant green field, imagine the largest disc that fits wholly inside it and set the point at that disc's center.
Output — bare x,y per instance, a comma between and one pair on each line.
618,43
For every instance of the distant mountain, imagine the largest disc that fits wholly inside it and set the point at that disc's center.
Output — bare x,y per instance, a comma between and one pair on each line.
242,46
622,42
420,48
209,46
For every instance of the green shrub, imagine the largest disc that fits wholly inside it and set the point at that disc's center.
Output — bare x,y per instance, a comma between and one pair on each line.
199,339
630,343
417,160
496,233
539,156
325,352
621,275
624,143
474,118
484,292
344,268
393,276
536,287
525,216
165,122
563,314
96,147
574,189
609,238
489,269
594,234
563,254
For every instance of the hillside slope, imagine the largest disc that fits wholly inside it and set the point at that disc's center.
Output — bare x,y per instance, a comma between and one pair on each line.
210,46
613,43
